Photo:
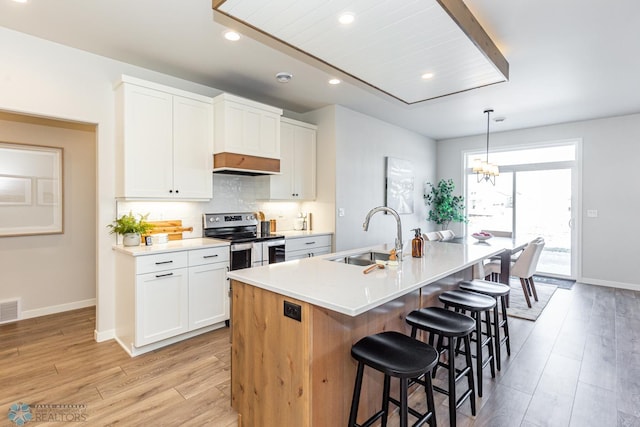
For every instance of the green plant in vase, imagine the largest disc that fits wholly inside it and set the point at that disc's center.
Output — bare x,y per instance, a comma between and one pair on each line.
445,207
130,228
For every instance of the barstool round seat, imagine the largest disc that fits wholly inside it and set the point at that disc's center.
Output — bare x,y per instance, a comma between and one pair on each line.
467,300
485,287
441,321
395,354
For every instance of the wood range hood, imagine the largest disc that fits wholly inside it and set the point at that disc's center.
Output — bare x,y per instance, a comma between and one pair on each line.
242,164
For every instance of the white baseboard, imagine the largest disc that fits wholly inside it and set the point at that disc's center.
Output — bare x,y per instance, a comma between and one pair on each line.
53,309
610,284
104,335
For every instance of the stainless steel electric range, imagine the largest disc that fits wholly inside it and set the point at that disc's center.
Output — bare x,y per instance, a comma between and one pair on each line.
249,247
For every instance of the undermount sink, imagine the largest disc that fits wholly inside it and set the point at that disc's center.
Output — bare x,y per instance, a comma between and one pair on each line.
362,259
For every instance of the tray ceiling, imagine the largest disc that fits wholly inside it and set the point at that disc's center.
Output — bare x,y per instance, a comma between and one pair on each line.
389,46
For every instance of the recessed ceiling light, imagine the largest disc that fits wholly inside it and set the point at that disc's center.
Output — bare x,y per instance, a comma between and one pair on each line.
427,76
499,119
334,81
231,36
284,77
346,18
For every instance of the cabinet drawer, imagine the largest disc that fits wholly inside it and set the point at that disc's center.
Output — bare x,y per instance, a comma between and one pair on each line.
310,242
159,262
309,252
208,256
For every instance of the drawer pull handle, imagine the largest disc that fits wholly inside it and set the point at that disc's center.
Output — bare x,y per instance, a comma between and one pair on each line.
164,262
310,243
210,256
164,275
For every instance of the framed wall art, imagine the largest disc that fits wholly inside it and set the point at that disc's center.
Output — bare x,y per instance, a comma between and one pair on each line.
31,190
399,192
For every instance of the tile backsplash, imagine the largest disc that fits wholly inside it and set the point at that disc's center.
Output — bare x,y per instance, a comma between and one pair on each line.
231,193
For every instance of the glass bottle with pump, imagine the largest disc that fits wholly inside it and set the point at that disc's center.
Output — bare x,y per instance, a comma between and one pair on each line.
417,244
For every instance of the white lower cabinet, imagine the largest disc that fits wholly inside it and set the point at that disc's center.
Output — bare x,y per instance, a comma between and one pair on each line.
305,247
161,305
208,293
164,298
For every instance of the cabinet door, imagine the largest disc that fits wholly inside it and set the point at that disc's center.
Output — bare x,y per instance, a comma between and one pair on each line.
304,161
282,185
208,295
192,148
148,142
162,305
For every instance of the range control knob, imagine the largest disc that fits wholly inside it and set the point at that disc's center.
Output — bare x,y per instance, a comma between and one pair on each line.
249,217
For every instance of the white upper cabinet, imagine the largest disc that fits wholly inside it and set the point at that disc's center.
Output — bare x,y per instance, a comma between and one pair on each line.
245,127
297,179
165,142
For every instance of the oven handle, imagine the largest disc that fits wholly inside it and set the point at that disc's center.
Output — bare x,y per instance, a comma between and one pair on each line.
270,243
235,247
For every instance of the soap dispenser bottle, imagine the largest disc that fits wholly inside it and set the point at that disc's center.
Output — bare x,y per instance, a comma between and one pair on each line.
416,244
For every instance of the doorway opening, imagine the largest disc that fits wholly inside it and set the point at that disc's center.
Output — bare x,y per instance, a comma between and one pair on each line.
535,195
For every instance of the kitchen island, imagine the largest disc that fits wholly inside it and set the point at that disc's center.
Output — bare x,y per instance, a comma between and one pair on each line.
293,325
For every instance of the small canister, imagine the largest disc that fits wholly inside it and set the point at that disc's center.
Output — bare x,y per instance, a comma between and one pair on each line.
265,226
272,225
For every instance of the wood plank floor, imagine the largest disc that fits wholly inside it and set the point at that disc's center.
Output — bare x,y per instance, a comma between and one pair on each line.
577,365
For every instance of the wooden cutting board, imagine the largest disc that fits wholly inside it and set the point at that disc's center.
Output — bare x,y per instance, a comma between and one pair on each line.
172,227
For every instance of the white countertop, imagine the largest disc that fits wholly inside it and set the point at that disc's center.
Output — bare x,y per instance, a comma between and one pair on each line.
345,289
171,246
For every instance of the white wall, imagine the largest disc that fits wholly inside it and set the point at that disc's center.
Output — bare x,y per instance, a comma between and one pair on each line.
47,79
352,160
611,150
54,272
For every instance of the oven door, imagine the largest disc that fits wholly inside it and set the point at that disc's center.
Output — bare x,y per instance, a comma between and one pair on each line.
241,255
275,251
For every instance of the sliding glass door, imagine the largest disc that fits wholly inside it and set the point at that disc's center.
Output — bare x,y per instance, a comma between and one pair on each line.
534,196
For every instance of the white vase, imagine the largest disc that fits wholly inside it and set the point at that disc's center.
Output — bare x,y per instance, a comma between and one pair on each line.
131,239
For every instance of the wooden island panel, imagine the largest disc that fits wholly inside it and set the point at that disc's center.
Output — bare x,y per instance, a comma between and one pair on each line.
269,360
285,372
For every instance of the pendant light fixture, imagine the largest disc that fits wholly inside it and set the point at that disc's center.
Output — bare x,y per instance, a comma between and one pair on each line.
484,169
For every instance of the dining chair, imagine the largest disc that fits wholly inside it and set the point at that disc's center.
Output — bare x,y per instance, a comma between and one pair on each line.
433,236
523,268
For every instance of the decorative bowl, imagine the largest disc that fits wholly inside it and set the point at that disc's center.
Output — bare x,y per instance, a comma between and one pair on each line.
482,236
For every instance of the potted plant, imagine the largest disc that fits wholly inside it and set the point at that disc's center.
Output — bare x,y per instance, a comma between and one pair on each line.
445,207
130,228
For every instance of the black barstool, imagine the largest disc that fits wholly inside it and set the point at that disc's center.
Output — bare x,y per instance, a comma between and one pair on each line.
500,293
450,325
476,304
395,355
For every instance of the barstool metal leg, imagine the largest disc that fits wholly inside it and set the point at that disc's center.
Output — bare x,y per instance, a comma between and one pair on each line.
506,324
385,400
478,318
353,415
404,406
452,380
467,356
496,334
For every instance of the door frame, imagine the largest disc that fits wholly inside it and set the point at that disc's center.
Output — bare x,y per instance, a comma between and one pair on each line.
576,189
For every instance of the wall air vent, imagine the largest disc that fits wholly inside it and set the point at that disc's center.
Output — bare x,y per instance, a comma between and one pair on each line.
9,310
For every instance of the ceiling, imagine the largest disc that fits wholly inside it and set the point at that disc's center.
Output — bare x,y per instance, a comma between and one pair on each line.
569,60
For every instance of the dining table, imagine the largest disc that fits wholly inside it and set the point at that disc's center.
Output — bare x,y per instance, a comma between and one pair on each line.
509,246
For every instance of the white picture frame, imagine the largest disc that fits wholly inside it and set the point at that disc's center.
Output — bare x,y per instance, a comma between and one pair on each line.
400,185
31,190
